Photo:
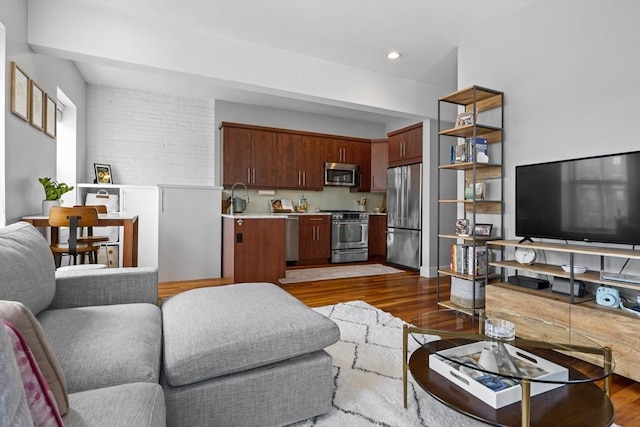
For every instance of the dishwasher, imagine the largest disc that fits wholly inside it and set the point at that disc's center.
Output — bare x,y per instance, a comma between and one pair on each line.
292,238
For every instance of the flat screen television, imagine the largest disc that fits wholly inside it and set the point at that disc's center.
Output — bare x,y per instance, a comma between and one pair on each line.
591,199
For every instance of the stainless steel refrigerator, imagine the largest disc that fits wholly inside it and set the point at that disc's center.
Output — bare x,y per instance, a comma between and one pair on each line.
404,215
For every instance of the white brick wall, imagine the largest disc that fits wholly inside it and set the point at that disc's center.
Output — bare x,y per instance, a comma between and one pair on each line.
150,138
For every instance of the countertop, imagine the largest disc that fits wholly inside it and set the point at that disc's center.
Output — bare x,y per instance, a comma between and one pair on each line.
269,215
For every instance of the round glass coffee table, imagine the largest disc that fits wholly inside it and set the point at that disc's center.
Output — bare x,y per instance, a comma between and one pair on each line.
507,380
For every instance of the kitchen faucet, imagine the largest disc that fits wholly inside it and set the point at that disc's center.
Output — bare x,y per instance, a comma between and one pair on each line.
231,205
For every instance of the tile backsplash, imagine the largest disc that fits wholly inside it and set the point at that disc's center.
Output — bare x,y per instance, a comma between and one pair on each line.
329,198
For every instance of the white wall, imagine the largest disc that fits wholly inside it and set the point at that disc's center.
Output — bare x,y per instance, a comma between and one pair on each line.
570,72
570,77
29,152
149,138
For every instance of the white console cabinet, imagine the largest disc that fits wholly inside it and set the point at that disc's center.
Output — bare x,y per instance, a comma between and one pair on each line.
179,227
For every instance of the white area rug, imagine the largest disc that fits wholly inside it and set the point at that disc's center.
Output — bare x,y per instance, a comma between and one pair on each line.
367,368
368,375
327,273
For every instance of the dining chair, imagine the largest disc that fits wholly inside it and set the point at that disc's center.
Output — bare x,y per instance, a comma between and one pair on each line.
73,218
87,236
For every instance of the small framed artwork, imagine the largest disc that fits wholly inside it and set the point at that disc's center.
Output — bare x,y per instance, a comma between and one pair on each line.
51,115
103,173
19,92
36,106
482,230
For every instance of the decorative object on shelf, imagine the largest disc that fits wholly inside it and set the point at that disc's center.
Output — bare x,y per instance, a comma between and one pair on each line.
469,191
525,256
464,295
53,192
19,92
51,116
609,297
36,106
482,230
103,173
577,269
466,118
462,227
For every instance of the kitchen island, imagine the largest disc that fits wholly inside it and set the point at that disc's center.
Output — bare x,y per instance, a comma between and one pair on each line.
253,247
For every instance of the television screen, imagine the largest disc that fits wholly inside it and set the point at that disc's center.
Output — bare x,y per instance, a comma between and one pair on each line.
594,199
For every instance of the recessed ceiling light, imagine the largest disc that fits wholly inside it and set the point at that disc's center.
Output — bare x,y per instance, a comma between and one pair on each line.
393,55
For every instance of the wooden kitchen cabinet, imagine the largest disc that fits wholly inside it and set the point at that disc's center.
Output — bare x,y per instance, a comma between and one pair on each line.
379,165
299,162
405,145
341,151
253,249
315,239
249,156
364,161
377,236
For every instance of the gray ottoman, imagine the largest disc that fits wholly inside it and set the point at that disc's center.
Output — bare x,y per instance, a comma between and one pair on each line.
245,354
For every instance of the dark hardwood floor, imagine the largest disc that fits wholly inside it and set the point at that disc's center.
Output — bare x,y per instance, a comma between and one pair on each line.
405,295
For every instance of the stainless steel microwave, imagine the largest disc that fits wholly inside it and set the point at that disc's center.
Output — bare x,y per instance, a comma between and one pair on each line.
341,174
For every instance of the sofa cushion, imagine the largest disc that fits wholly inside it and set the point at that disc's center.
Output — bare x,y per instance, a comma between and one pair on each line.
215,331
28,271
13,401
40,399
22,318
102,346
126,405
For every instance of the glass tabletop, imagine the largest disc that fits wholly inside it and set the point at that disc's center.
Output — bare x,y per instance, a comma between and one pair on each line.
498,352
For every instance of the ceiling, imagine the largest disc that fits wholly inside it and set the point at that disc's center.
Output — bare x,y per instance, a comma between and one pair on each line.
357,33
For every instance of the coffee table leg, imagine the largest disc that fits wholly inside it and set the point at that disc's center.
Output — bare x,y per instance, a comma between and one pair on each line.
526,402
405,365
607,367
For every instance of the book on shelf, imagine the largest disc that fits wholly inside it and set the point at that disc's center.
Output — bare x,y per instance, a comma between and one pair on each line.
469,149
469,259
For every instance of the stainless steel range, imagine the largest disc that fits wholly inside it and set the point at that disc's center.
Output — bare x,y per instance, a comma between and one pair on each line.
349,236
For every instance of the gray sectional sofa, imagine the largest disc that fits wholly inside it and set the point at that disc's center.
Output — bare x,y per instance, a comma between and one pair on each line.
104,327
245,354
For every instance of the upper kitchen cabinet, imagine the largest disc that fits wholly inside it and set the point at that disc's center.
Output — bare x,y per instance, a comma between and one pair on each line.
379,165
351,151
364,161
249,156
405,145
299,162
338,150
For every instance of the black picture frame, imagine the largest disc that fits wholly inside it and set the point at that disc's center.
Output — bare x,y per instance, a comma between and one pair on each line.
103,173
482,230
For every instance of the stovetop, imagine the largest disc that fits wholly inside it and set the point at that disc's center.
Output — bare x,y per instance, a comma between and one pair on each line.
347,214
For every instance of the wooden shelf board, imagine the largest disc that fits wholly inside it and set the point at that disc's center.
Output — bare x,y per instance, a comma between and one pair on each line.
469,165
491,133
544,293
578,249
590,276
454,306
469,238
465,96
467,276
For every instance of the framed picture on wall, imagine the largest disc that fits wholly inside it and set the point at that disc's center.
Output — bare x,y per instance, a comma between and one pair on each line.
103,173
19,92
51,115
36,106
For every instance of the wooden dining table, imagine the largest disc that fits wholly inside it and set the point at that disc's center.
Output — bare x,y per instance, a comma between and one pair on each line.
129,236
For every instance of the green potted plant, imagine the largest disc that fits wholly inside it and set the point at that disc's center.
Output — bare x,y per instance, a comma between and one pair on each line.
53,192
